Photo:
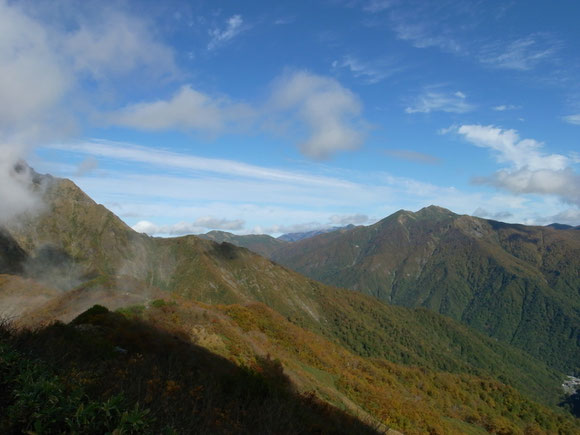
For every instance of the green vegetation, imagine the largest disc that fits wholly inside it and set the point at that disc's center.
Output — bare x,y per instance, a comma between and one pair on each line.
515,283
139,276
106,373
259,243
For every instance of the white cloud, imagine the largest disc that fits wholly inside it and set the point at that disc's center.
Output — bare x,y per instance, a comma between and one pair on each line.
522,54
263,196
421,34
188,109
530,170
521,153
316,106
371,73
42,60
201,224
115,43
234,26
573,119
32,79
434,100
156,157
17,193
504,107
330,112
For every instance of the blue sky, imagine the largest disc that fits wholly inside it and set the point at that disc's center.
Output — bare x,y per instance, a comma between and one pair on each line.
272,117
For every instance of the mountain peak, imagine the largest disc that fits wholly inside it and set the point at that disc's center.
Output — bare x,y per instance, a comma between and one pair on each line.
434,211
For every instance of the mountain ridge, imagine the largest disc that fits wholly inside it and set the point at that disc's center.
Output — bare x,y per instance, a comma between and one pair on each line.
116,266
465,267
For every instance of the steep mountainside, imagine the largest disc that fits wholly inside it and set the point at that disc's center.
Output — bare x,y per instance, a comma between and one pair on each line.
239,369
107,262
259,243
517,283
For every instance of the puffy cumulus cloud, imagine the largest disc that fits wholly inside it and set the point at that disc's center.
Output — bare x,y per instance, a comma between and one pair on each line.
188,109
326,114
521,153
330,113
115,43
564,183
46,51
530,170
432,100
32,78
199,225
234,26
42,62
572,119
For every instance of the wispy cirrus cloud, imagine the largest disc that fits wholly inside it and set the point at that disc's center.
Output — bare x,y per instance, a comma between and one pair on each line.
529,169
505,107
572,119
135,153
423,35
233,27
522,54
368,72
435,100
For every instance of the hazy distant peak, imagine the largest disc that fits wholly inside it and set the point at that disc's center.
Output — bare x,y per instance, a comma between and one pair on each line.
558,226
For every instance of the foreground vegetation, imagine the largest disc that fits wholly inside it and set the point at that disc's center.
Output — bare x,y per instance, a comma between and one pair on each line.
178,368
105,373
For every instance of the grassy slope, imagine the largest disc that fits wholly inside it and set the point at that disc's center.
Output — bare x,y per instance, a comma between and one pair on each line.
105,373
516,283
244,367
222,273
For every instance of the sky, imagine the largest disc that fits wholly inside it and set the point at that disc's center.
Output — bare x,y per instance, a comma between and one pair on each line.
273,117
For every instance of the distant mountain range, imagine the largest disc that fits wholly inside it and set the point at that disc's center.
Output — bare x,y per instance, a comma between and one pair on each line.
294,237
264,244
77,253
